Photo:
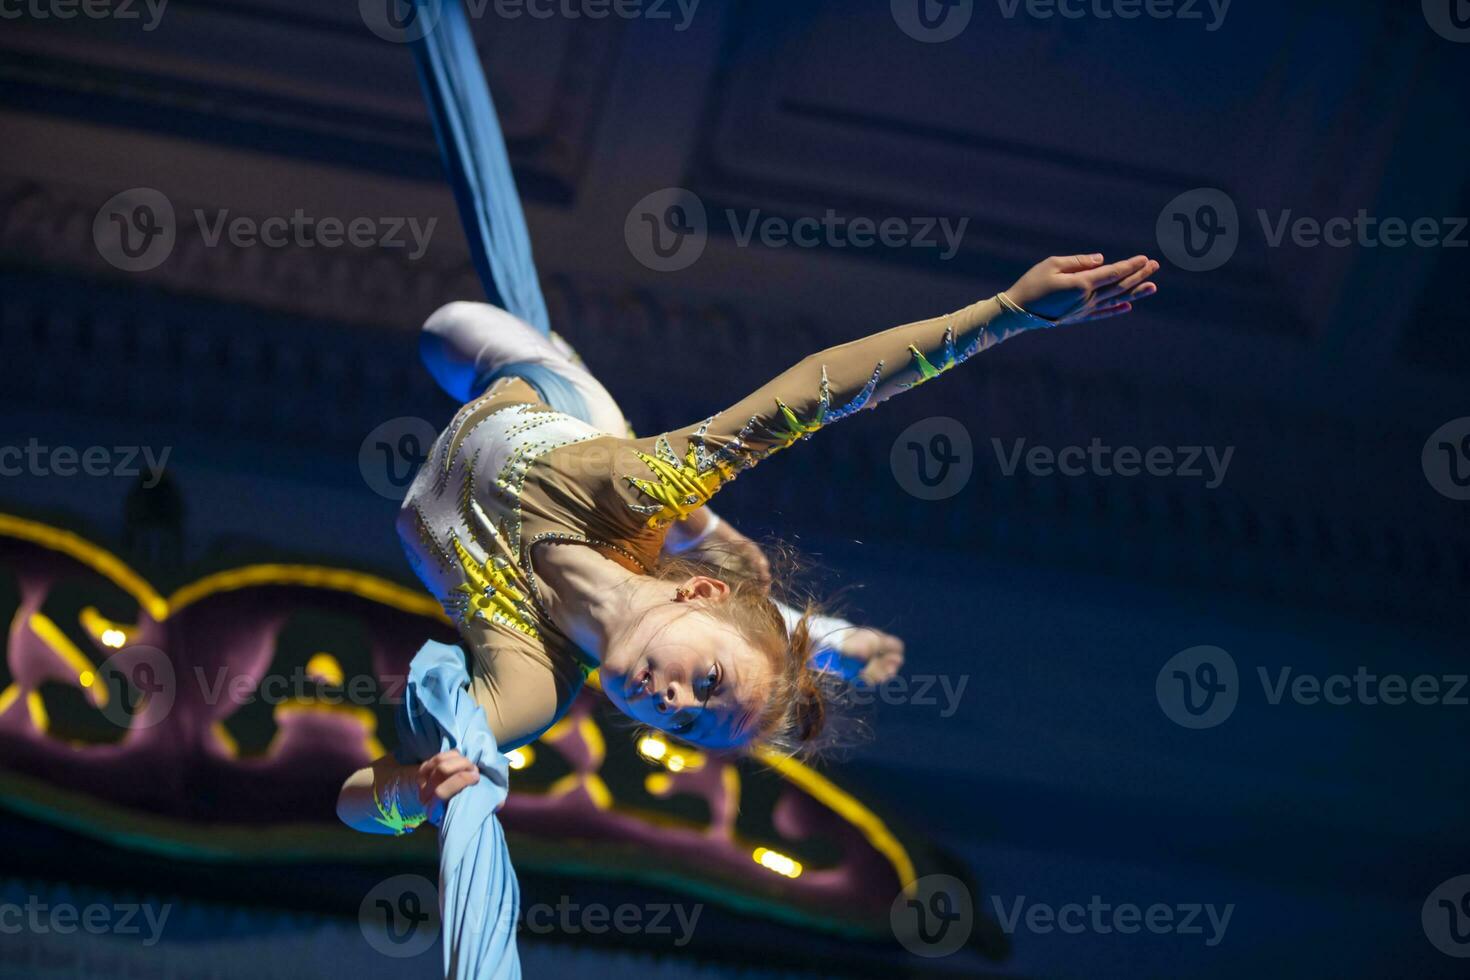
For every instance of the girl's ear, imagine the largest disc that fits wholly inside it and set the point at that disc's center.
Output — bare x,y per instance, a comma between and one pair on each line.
704,587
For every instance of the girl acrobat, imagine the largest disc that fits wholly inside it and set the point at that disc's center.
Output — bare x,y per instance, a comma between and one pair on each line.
543,534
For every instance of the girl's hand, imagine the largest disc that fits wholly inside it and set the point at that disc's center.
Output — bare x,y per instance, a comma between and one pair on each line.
726,545
1079,288
881,653
441,779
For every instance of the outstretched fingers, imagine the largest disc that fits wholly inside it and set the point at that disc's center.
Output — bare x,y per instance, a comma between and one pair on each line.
1106,312
1130,285
1077,263
1096,279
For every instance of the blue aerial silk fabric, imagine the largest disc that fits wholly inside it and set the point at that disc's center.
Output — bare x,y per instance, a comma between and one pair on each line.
474,154
479,898
478,894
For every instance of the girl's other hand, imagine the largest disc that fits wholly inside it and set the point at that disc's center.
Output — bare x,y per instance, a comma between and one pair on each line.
880,652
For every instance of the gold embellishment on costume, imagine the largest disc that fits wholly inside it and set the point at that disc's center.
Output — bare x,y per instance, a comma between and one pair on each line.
683,486
488,593
796,429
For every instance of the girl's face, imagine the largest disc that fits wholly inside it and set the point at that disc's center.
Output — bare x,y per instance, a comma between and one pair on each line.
684,672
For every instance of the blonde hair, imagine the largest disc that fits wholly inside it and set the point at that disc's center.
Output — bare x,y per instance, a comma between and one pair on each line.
801,702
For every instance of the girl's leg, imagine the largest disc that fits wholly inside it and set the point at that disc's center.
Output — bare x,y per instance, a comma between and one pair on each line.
468,346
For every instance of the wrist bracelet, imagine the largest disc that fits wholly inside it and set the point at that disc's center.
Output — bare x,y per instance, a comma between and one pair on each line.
1036,318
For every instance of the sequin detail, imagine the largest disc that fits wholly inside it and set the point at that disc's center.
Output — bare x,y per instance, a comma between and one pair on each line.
927,371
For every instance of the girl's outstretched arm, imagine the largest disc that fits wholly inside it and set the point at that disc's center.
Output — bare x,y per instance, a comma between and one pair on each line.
687,466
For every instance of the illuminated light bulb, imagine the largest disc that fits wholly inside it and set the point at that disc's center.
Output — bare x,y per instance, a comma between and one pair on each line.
657,783
86,678
324,667
113,638
652,747
675,763
520,758
777,862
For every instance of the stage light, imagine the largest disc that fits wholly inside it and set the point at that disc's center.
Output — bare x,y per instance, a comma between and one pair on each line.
520,758
653,748
675,759
777,862
114,638
324,668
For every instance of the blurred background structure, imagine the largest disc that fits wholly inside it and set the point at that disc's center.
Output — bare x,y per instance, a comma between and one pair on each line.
1335,542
